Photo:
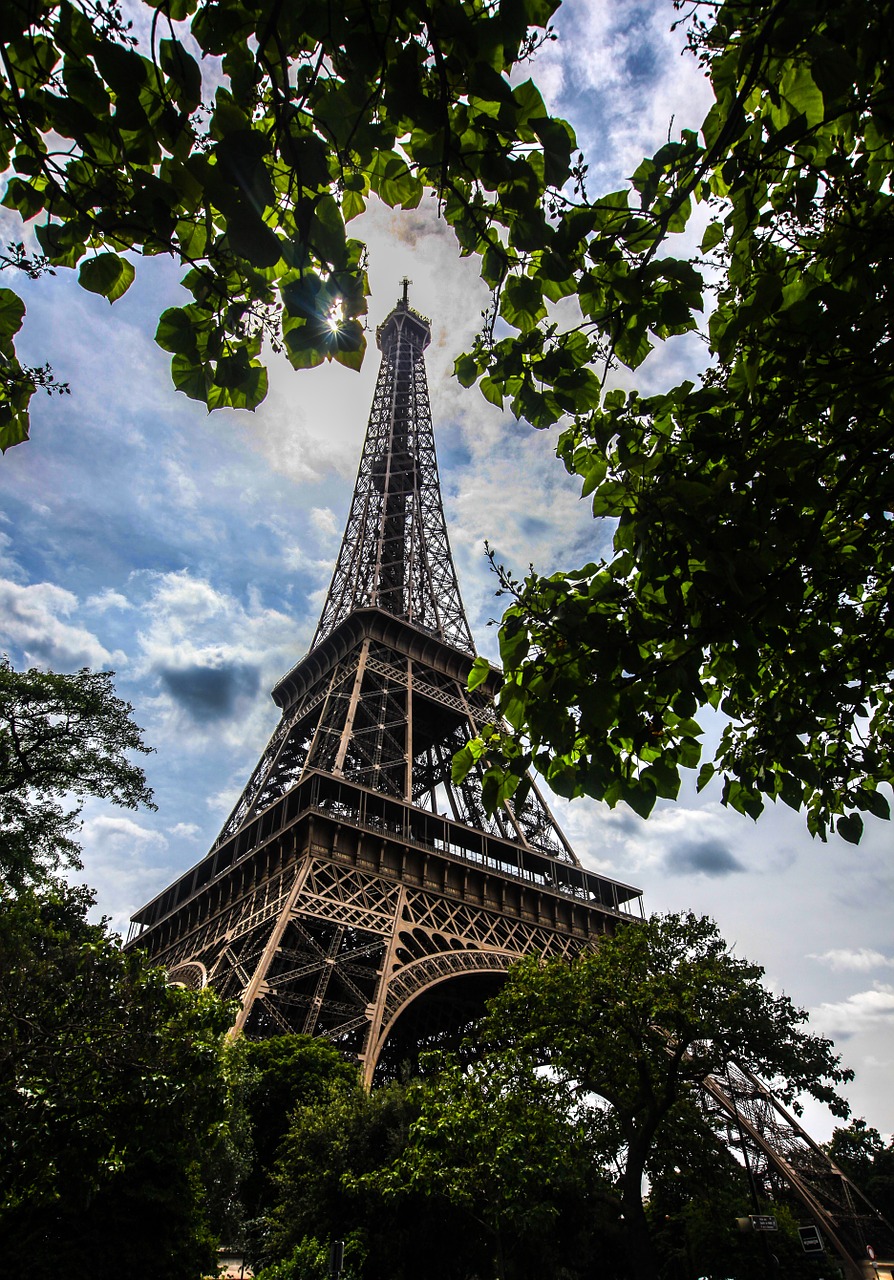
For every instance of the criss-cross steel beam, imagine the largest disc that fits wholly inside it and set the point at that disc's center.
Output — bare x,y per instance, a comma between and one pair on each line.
395,553
779,1150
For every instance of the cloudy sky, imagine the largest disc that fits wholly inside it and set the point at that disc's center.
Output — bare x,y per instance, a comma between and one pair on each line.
191,553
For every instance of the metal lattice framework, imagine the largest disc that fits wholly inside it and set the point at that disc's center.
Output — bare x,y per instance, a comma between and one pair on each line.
388,712
356,891
340,911
395,554
779,1155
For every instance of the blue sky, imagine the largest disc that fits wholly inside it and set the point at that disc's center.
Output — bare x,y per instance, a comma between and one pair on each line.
190,553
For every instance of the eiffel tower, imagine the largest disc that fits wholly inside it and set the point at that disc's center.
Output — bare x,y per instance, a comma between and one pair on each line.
355,891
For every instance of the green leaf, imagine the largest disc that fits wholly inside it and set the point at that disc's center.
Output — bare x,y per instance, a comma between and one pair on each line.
480,671
23,197
464,761
491,391
183,71
558,140
393,182
107,274
640,798
12,312
252,239
712,237
176,331
850,828
191,377
514,644
521,302
664,777
352,205
466,370
799,87
875,803
14,426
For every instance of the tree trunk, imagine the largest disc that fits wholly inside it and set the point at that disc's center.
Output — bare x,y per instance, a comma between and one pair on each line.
501,1272
642,1260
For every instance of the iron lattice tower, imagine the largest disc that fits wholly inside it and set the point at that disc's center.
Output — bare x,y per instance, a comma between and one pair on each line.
355,891
783,1161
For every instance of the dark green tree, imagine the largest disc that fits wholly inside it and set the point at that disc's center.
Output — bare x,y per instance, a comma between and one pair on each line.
753,550
310,1260
279,1075
860,1151
697,1190
507,1149
639,1023
113,1101
323,1190
246,167
60,736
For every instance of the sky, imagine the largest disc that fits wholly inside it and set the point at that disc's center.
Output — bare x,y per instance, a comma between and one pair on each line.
190,553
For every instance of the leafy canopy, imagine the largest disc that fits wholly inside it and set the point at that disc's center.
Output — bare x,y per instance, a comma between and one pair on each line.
754,542
240,137
61,736
653,1011
113,1100
753,508
494,1139
861,1152
635,1027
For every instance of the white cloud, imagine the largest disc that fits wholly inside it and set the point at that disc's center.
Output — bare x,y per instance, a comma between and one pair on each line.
296,558
862,960
223,802
182,603
32,618
323,520
212,656
113,834
180,487
675,840
108,599
622,80
124,857
863,1011
184,830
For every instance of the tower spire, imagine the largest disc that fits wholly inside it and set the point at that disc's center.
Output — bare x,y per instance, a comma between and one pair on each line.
395,553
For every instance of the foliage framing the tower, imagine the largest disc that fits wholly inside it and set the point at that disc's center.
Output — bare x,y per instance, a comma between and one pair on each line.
315,109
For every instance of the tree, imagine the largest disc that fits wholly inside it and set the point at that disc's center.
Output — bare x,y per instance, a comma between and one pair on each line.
505,1146
280,1074
753,551
639,1023
309,1260
113,1101
861,1153
325,1189
117,148
60,736
697,1190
